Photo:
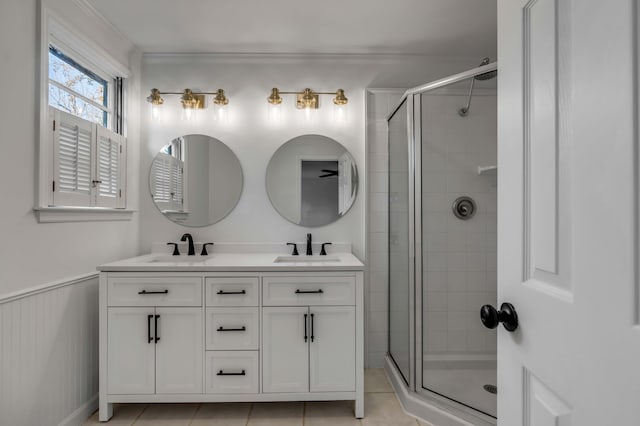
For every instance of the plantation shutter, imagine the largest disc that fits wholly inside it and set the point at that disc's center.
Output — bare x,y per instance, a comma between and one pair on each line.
109,165
88,163
177,185
73,152
167,183
161,180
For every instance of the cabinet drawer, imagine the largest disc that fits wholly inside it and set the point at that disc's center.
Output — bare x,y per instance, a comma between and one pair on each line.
154,291
235,291
231,371
232,328
301,291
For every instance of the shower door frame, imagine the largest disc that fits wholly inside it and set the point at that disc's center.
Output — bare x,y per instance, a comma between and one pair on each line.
416,315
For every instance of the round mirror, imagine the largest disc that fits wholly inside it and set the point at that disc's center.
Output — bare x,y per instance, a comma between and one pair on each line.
312,180
195,180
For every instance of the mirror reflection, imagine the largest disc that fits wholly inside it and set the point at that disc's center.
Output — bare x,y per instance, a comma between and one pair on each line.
312,180
195,180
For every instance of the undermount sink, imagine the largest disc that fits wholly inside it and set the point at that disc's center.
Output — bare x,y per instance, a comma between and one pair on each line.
178,259
306,259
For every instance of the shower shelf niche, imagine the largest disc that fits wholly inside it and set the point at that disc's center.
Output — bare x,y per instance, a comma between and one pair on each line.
487,169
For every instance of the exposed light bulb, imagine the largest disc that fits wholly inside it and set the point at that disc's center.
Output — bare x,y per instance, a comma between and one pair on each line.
187,114
275,113
220,113
340,113
155,112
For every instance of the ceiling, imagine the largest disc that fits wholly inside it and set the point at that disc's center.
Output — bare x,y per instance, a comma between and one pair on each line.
425,27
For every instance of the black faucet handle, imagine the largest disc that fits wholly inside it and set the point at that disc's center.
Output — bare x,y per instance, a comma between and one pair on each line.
295,249
204,249
176,252
323,252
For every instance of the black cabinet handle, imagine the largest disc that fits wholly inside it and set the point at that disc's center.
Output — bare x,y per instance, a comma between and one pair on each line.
243,328
305,328
149,328
298,291
222,373
154,292
156,326
312,337
232,292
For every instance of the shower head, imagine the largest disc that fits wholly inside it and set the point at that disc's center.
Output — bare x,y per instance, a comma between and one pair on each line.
462,112
487,75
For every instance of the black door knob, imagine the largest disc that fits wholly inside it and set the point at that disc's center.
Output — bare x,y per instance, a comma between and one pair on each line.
506,315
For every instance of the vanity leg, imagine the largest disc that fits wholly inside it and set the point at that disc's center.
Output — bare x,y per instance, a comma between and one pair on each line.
359,408
105,411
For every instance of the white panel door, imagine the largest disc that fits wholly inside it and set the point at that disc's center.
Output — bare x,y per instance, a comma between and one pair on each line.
568,212
285,349
332,348
179,350
131,353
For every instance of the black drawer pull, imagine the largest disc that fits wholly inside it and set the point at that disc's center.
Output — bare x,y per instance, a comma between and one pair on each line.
222,373
232,292
149,318
154,292
157,329
298,291
312,336
243,328
305,328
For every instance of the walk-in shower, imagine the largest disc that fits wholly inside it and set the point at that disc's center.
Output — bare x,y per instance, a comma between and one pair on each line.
442,248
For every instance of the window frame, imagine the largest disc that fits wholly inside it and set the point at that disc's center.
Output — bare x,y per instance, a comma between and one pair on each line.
54,31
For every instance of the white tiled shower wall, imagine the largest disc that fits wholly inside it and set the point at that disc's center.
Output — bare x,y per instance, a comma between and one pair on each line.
380,103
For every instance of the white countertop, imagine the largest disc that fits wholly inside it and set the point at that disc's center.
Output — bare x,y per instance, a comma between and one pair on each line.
266,262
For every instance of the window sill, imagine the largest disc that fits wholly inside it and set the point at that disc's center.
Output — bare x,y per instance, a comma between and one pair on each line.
81,214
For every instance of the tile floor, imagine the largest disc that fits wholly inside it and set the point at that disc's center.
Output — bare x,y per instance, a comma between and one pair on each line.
381,409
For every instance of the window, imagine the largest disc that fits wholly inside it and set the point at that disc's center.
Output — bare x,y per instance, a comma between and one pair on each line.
77,90
82,146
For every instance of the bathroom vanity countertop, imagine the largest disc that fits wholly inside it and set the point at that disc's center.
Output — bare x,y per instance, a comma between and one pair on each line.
231,262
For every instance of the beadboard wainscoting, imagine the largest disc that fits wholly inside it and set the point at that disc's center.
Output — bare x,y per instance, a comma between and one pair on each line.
49,353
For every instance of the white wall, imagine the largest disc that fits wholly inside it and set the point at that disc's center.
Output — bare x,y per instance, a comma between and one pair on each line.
34,254
247,81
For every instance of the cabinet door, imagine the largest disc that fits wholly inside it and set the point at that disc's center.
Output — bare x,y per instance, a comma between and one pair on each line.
332,348
131,360
285,354
179,352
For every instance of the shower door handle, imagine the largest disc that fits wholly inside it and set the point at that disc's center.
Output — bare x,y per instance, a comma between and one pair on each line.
507,315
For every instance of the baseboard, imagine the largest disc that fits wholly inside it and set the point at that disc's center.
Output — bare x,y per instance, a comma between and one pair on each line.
82,413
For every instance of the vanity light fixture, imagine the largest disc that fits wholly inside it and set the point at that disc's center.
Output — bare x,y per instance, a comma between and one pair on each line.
307,99
190,101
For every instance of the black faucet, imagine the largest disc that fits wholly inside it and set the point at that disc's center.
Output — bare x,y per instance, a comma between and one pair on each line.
189,238
309,250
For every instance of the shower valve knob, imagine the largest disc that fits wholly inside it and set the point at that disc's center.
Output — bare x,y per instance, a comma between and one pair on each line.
506,315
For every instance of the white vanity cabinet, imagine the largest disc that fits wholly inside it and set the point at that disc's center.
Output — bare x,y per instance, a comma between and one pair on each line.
309,334
154,335
189,335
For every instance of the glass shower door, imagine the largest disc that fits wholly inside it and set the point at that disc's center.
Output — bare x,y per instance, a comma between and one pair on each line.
399,284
